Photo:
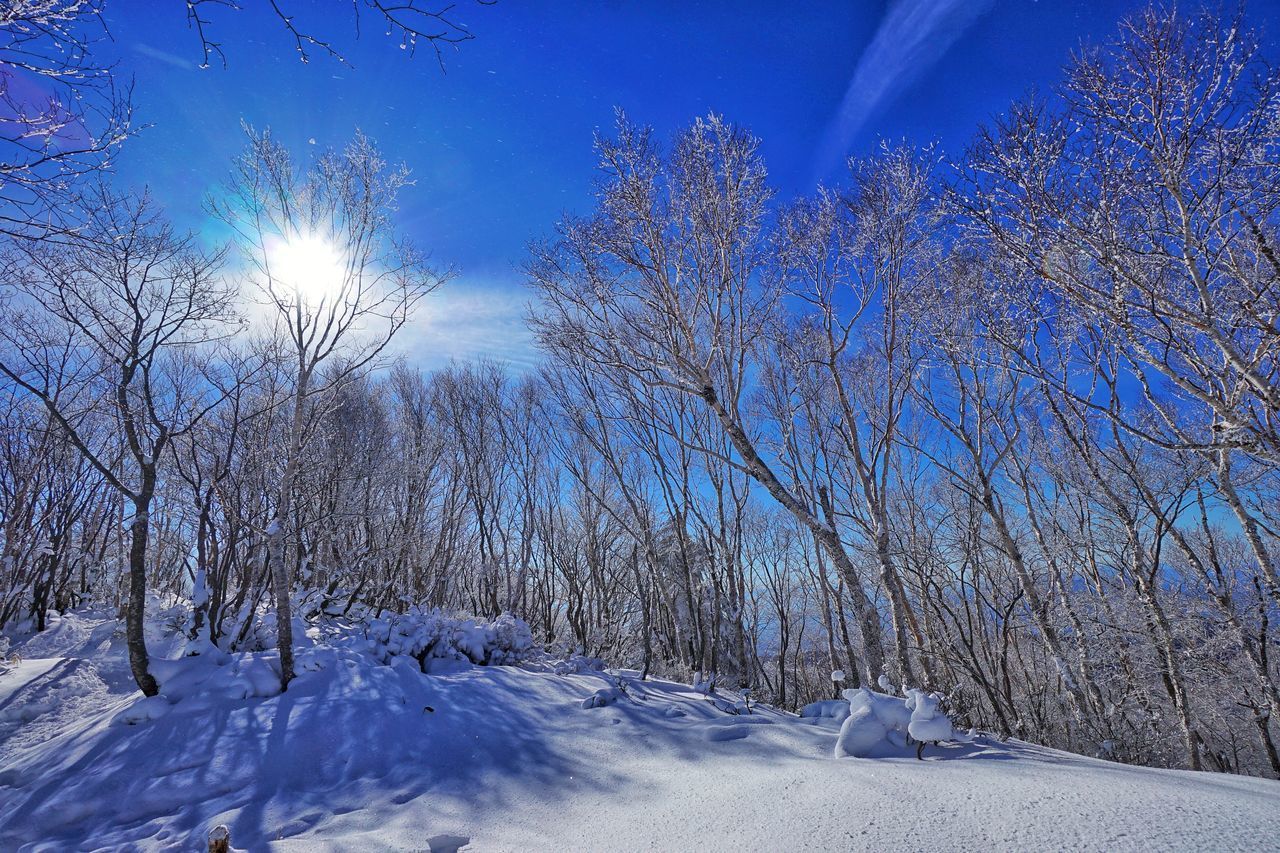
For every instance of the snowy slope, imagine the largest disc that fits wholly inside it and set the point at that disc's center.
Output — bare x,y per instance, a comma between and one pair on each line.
358,756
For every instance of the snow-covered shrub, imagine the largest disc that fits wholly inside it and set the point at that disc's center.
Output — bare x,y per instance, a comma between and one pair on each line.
427,635
174,620
6,662
334,601
928,722
737,706
512,639
575,664
876,725
879,724
142,710
225,675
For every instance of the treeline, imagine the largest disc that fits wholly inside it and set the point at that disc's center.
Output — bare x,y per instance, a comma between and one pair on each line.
1007,428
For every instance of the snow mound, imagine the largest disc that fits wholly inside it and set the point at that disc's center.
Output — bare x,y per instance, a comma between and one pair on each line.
731,728
827,709
603,697
723,733
147,708
577,663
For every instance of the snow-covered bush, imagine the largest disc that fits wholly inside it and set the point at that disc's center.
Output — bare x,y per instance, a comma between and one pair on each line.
6,662
512,639
427,635
575,664
928,722
876,725
879,724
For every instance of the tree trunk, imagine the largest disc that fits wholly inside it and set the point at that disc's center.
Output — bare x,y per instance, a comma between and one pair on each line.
135,613
897,610
284,609
280,575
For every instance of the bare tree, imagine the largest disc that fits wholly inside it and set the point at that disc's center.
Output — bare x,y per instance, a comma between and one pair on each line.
63,114
337,283
434,23
111,330
1150,200
663,285
860,263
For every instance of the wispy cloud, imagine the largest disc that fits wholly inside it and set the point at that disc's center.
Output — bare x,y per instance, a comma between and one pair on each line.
465,320
164,56
912,36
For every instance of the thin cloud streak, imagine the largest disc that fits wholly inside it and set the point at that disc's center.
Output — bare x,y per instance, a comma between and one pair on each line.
164,56
464,321
911,38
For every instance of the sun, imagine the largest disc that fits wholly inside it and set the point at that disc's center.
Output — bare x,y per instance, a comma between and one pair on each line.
309,265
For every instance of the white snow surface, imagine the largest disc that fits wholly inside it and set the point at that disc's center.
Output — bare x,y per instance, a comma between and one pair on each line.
361,755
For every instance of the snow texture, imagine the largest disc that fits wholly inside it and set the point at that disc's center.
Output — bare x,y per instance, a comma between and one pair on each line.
366,752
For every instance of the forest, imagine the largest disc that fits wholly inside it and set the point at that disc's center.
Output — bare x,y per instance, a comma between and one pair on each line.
1000,423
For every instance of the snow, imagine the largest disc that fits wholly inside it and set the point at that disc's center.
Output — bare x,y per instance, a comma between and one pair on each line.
876,725
827,709
143,710
362,754
866,734
928,723
602,697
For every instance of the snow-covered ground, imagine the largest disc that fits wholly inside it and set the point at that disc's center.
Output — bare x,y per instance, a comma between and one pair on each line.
362,756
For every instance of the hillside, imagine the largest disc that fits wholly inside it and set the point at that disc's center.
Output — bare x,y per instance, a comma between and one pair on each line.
358,755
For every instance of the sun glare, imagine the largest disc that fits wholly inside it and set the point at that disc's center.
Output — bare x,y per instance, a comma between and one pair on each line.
307,264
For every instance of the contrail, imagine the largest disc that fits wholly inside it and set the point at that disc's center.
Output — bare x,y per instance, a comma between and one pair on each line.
912,36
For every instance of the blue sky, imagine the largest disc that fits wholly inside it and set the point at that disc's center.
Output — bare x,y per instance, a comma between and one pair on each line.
500,144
